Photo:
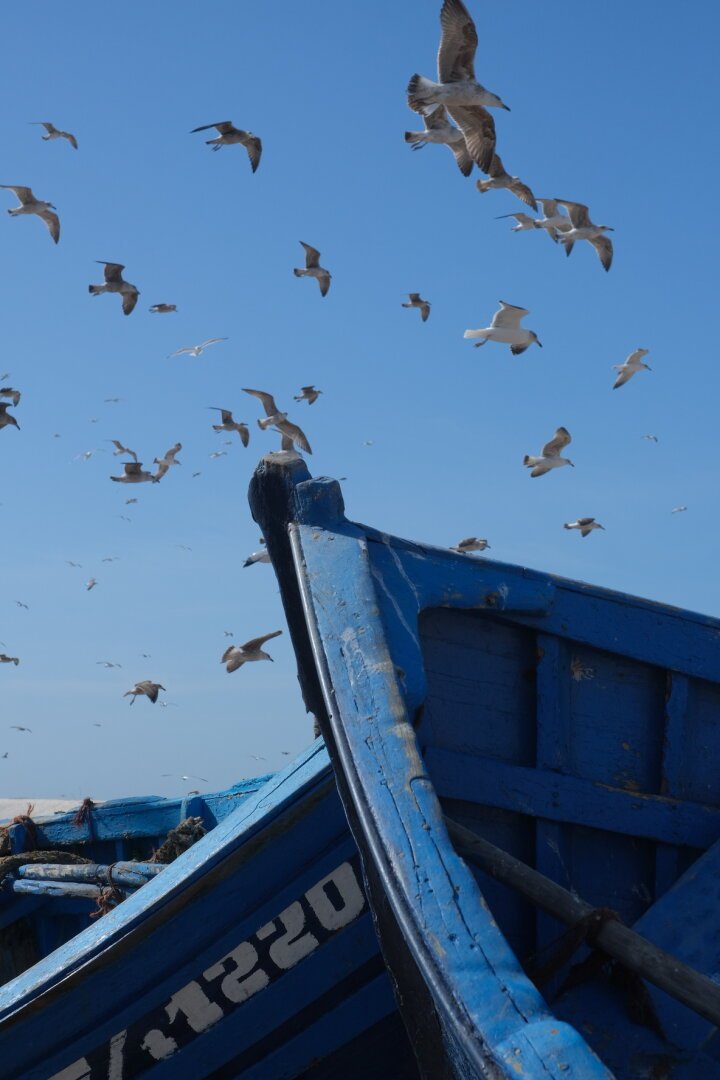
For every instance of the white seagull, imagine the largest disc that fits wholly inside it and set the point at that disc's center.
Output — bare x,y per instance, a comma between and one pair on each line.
195,350
500,179
470,543
416,301
439,130
120,448
237,655
30,205
314,269
550,454
291,433
256,557
134,474
115,283
506,329
650,438
164,463
229,134
524,222
584,525
91,584
632,365
552,221
584,229
55,133
228,424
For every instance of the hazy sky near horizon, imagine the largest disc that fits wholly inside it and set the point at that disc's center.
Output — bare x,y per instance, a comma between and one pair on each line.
612,105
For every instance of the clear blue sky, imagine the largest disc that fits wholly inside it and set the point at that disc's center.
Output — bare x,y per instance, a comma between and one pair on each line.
613,105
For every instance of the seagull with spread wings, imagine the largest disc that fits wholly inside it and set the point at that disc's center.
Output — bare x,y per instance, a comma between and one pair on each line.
163,309
524,222
584,526
228,424
30,205
584,229
499,180
314,269
134,474
630,367
416,300
291,433
457,88
195,350
164,463
550,454
440,131
4,659
307,393
7,419
14,395
470,543
237,655
55,133
229,134
146,687
120,448
506,329
115,283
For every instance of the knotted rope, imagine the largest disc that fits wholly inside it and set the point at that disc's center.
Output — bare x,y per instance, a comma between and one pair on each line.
179,839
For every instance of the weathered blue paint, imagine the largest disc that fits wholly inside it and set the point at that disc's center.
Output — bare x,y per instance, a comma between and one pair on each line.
576,727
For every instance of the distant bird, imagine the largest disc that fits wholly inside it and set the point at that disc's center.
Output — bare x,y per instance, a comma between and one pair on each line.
195,350
179,776
524,222
215,454
122,516
415,300
228,633
307,393
274,418
91,584
237,655
115,283
14,395
506,329
439,130
500,179
163,309
314,269
7,419
71,563
6,754
128,502
630,367
20,604
30,205
164,463
550,454
87,454
112,400
651,438
4,659
230,135
584,525
678,509
120,448
583,229
169,705
552,221
107,663
134,474
228,424
183,547
471,543
115,558
55,133
148,688
19,727
258,557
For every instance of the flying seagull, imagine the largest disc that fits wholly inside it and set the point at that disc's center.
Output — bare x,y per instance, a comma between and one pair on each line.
550,454
134,474
20,604
500,179
146,687
314,269
506,329
471,543
678,509
71,563
552,221
274,418
19,727
164,463
14,395
256,557
91,584
120,448
115,283
195,350
163,309
584,525
650,438
55,133
630,367
237,655
228,424
307,393
416,300
9,659
524,222
7,419
583,229
230,135
466,99
439,130
30,205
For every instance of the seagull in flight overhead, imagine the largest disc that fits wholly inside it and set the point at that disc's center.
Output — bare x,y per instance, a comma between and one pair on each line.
120,448
256,557
650,438
457,88
307,393
19,727
500,179
314,269
630,367
237,655
55,133
550,454
524,222
163,309
115,283
274,418
583,229
439,130
195,350
164,463
416,300
134,474
506,329
7,419
584,525
471,543
8,392
146,687
228,424
91,584
552,221
30,205
9,659
228,135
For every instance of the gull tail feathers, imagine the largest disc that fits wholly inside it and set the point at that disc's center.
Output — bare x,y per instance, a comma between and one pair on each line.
420,92
473,334
95,290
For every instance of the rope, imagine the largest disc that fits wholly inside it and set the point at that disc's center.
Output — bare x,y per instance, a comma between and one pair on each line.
10,863
179,839
84,811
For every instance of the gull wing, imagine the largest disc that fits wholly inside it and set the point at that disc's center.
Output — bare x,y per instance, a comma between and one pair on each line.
24,194
584,522
524,219
312,257
253,145
550,207
458,43
113,271
462,157
129,300
132,468
323,281
412,296
268,401
286,442
579,213
523,192
224,127
424,310
210,341
258,642
438,118
295,433
559,441
496,169
173,451
509,316
310,389
70,138
604,248
625,374
53,223
179,352
244,433
44,123
478,127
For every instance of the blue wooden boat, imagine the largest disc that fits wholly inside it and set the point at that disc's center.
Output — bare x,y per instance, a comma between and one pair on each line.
515,752
251,955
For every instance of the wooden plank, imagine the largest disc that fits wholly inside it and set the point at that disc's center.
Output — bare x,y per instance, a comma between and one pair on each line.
546,794
677,730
